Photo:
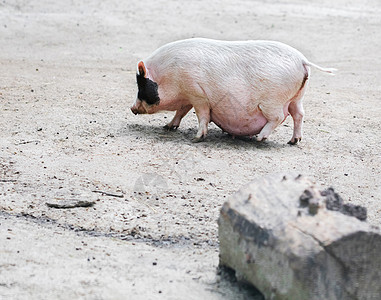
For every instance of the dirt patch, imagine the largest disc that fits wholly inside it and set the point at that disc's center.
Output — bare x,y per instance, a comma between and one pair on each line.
70,77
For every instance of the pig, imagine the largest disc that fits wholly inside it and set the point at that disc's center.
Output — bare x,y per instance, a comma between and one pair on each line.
247,88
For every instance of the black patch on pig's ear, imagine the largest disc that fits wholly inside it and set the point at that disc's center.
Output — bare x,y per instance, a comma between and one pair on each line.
148,90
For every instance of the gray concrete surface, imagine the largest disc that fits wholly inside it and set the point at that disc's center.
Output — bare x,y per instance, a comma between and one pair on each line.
67,81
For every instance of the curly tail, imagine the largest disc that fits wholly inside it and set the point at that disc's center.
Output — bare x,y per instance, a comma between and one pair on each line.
327,70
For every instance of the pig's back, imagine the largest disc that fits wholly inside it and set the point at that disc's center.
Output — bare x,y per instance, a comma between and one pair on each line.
266,57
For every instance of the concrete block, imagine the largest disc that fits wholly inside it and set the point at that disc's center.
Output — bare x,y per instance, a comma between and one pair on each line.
278,234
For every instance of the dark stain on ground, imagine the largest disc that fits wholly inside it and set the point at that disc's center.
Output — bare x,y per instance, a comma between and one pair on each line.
134,235
332,201
336,203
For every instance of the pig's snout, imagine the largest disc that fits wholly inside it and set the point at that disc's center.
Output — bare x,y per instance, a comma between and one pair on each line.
137,107
134,110
138,110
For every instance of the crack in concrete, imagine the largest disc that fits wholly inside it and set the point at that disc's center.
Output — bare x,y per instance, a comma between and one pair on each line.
344,267
176,241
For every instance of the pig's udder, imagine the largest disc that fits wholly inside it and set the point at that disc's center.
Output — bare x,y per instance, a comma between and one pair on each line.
243,125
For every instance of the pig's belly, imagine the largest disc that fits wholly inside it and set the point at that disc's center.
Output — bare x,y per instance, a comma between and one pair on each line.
243,124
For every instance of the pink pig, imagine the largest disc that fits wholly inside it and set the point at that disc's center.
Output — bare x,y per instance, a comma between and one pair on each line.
246,88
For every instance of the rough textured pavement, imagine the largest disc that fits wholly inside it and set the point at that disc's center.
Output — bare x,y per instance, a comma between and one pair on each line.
67,81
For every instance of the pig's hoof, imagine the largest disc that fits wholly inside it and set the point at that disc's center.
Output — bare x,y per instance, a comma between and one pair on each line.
170,128
294,141
260,139
198,139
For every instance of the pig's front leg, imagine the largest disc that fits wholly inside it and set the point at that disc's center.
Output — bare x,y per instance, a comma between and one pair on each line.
203,116
180,113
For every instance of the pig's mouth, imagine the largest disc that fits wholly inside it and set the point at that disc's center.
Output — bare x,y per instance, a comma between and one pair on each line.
138,108
134,110
143,109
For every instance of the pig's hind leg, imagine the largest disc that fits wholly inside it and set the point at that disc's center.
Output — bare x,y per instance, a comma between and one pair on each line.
274,116
203,115
297,113
180,113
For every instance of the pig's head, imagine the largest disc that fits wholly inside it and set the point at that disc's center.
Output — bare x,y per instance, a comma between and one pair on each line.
147,99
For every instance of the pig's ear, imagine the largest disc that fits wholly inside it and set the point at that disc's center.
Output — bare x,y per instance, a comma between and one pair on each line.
142,69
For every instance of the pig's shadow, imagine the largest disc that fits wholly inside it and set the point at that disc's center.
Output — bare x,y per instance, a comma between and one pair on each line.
216,137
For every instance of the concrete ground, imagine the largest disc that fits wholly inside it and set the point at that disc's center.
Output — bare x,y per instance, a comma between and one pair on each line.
67,81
